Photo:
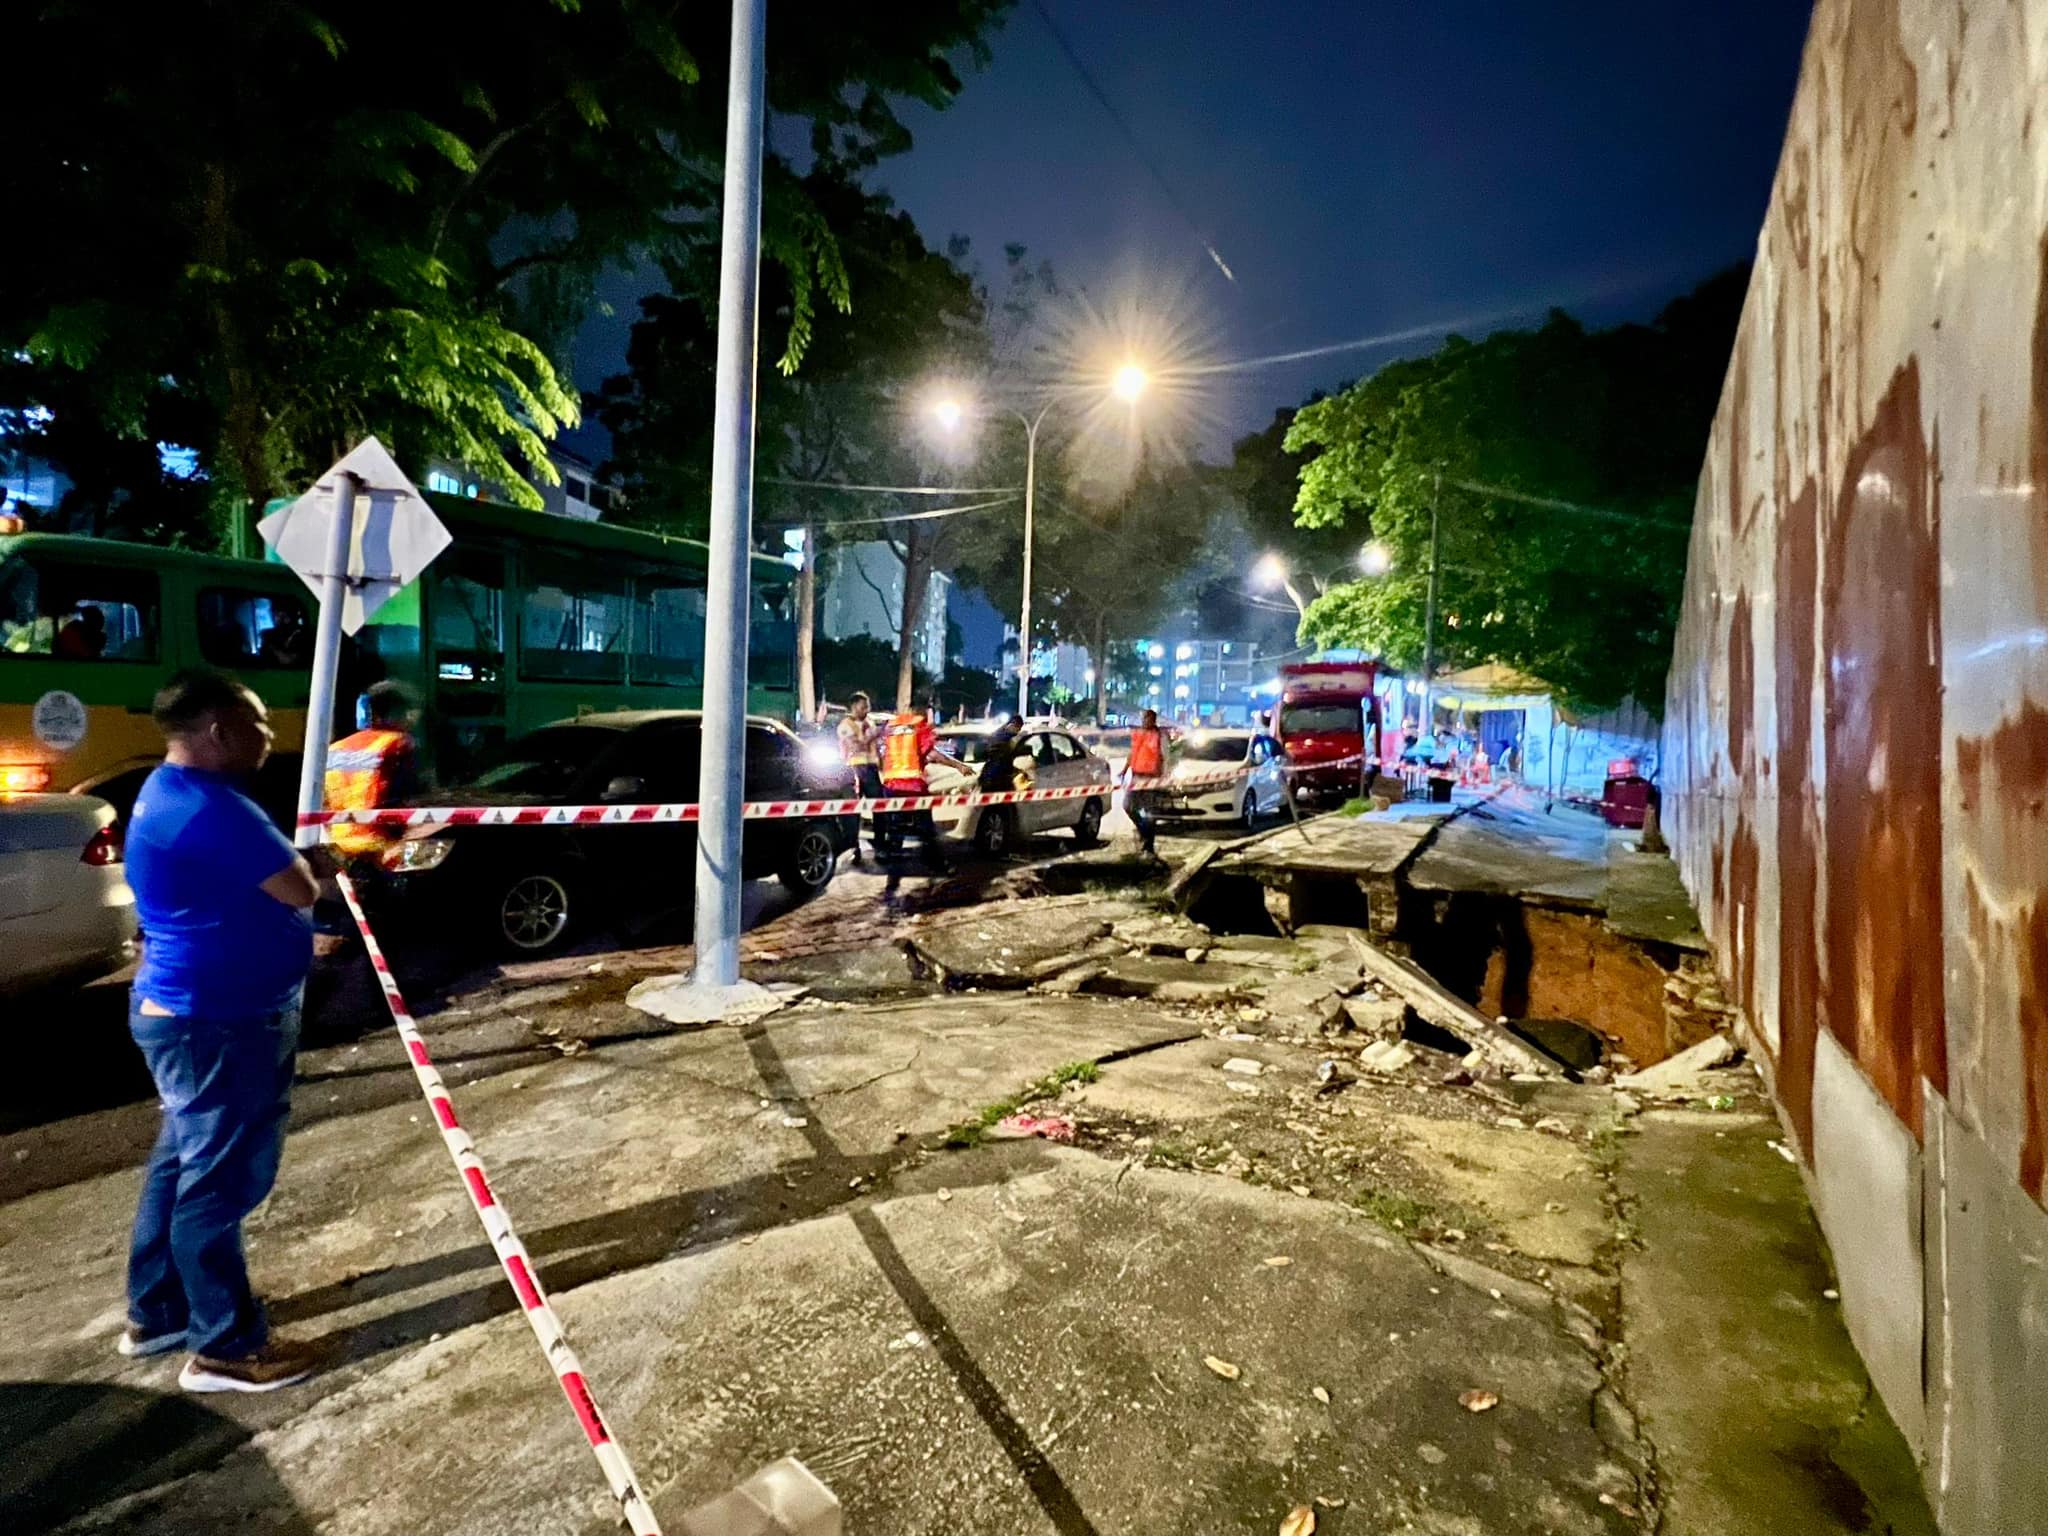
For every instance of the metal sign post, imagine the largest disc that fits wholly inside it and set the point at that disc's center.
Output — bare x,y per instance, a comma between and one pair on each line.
326,654
356,538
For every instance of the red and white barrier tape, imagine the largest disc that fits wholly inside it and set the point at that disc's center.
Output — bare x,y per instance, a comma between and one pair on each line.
615,815
753,810
547,1328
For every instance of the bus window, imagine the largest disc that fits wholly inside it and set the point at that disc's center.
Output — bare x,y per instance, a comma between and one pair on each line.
668,630
249,630
573,633
771,639
469,619
70,612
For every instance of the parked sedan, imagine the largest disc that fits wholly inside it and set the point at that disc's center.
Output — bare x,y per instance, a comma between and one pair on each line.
1226,776
1054,760
66,913
529,888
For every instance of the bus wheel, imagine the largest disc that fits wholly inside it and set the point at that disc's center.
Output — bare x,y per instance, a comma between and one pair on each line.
808,867
533,912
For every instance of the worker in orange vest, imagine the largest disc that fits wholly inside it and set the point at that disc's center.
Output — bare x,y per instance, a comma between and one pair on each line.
909,745
376,767
1146,771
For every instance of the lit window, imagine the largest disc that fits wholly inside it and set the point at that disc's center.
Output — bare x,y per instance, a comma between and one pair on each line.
1157,671
440,480
1183,651
1156,651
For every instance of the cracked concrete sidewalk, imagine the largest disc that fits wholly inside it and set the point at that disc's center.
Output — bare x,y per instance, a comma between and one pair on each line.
760,1245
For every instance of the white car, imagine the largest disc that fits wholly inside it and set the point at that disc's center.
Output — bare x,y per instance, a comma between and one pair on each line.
66,913
1057,761
1225,776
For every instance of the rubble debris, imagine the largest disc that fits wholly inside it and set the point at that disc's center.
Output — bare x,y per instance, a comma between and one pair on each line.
1321,1395
1222,1368
1244,1066
1371,1014
1386,1057
1680,1074
1164,934
1300,1521
1477,1400
1278,1261
1331,1078
1438,1006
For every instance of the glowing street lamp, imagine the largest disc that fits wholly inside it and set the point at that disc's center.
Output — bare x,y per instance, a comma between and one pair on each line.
1127,384
1376,559
1272,571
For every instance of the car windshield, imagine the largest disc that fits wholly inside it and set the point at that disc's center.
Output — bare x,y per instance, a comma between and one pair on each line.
971,746
1320,720
1215,749
547,761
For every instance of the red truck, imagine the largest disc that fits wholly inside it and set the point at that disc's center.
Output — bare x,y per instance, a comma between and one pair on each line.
1329,726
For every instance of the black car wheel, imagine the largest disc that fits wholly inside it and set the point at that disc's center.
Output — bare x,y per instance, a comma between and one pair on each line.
994,833
809,866
1088,830
534,912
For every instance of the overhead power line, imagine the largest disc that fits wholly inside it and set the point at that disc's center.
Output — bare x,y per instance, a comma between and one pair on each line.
1633,520
899,517
1158,176
896,490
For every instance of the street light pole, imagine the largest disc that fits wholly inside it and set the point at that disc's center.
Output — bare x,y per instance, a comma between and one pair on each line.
728,588
1429,608
1031,425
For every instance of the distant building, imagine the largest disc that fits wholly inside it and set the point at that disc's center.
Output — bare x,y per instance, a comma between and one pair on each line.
583,493
860,592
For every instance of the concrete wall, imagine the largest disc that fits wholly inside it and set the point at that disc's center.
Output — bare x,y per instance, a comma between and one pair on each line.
1856,739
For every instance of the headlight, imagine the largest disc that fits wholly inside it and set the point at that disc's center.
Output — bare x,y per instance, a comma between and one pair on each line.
822,757
416,854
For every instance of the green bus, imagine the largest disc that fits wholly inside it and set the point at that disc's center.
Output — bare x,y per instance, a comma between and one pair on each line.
526,618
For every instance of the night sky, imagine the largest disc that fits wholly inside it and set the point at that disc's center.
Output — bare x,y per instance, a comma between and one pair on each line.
1363,168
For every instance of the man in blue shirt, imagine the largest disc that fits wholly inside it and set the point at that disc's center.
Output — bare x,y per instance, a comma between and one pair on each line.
225,905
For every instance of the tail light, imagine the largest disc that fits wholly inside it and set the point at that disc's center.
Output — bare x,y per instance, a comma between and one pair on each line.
24,778
102,848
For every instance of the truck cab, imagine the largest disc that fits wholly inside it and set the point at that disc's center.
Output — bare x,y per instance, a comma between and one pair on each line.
1328,724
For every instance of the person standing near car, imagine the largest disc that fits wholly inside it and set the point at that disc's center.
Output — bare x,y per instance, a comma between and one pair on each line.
858,735
909,746
1145,774
376,767
225,905
998,771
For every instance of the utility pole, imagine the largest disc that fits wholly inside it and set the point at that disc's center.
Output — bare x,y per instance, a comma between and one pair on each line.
1429,608
721,793
1031,426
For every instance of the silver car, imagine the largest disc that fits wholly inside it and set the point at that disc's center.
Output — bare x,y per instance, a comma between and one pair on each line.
66,913
1051,758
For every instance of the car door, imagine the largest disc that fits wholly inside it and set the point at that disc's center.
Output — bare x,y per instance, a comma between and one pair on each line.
1037,745
1069,771
656,764
1265,773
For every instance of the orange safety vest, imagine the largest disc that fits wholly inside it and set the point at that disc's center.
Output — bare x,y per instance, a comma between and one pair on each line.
359,770
902,762
1148,753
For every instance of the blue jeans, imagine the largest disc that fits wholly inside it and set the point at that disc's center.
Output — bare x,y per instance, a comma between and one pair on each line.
225,1085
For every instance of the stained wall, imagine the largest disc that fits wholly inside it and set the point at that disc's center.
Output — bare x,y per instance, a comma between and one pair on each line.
1855,754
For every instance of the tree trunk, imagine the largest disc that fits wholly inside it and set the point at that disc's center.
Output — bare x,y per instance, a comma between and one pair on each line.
1099,654
806,626
917,575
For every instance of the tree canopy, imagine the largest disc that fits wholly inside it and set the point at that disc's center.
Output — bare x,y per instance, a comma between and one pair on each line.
271,228
1562,463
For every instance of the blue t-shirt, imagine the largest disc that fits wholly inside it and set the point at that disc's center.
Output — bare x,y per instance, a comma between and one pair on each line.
214,944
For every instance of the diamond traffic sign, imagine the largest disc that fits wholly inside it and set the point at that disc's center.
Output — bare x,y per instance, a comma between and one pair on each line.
395,537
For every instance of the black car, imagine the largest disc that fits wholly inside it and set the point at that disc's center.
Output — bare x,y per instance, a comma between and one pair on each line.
530,887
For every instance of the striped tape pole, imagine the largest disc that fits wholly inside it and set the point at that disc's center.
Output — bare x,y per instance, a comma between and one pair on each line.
512,1255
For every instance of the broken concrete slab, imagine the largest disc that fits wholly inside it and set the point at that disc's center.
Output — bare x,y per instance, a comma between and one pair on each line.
1163,934
1380,1017
976,952
1259,951
1439,1006
1166,979
1683,1073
